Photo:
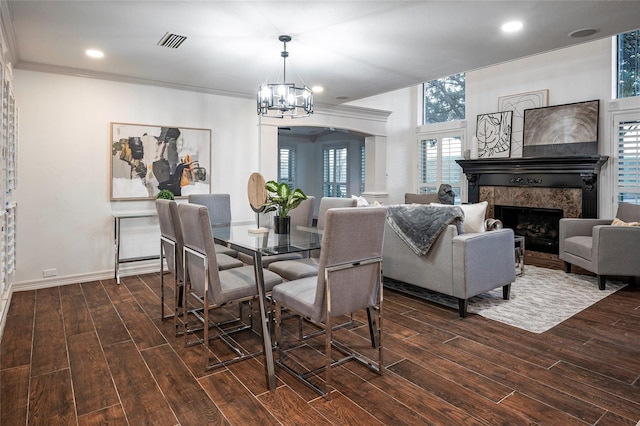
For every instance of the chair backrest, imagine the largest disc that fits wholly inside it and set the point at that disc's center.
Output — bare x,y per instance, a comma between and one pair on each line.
412,198
350,236
327,203
196,229
170,228
628,212
218,205
303,214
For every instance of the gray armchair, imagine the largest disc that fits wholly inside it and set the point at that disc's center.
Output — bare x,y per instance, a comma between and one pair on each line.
601,248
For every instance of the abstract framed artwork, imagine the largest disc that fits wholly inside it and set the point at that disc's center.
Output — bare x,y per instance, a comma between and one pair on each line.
518,103
493,132
146,159
561,130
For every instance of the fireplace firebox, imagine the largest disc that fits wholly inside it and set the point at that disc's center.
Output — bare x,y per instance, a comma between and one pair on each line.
538,226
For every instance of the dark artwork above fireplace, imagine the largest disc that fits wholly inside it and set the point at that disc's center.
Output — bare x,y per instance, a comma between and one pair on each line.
560,130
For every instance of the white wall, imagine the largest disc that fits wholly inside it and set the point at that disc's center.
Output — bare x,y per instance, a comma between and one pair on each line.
575,74
64,213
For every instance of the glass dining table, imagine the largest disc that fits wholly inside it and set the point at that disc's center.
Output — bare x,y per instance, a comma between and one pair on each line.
245,239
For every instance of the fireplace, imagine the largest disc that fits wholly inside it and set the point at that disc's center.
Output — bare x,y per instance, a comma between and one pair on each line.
543,185
539,226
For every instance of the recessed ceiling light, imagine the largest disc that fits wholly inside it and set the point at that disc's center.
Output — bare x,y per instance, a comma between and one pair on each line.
511,27
317,89
584,32
94,53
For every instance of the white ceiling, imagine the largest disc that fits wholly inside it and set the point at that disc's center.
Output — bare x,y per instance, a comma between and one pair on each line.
354,49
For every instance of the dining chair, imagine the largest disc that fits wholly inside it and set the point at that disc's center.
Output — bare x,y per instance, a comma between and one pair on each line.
327,203
300,268
171,243
349,280
219,209
214,288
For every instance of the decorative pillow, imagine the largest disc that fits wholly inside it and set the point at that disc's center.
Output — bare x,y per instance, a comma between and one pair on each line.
473,215
618,222
361,201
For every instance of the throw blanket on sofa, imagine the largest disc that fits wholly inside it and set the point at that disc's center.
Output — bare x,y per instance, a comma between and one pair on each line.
419,225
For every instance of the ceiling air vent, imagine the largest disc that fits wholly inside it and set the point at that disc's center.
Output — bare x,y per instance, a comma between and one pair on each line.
172,41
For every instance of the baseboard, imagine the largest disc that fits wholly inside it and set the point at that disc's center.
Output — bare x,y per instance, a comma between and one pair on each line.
125,270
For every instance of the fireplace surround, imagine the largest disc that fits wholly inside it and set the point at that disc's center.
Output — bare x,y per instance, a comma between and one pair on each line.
569,183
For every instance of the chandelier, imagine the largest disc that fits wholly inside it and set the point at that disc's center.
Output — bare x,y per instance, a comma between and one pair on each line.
278,100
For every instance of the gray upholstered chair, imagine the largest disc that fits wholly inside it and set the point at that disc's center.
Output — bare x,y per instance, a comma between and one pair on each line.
303,214
212,287
413,198
445,195
171,243
327,203
349,280
599,247
219,208
301,268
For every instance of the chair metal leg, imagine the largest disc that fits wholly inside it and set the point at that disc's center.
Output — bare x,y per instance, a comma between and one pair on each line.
372,328
327,349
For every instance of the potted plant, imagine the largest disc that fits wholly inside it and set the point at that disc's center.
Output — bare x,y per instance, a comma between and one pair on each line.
281,199
165,194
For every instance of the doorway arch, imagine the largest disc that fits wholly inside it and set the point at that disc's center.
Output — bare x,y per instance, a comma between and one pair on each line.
366,122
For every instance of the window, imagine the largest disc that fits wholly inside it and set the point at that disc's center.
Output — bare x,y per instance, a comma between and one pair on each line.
436,162
629,64
444,99
287,166
335,172
628,170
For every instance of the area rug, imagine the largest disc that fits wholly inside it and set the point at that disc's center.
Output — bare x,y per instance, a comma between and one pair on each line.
540,299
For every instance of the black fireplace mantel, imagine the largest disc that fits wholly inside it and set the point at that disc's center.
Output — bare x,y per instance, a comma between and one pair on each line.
574,164
546,172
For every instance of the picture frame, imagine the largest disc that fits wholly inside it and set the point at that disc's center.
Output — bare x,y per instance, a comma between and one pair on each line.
146,158
562,130
518,103
493,133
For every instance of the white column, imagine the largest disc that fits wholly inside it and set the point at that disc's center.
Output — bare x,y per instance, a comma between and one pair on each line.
375,180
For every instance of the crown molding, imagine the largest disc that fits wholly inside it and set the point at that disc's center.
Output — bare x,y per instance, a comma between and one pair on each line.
77,72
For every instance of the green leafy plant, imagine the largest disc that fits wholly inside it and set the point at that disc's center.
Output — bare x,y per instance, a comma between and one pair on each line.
165,194
282,199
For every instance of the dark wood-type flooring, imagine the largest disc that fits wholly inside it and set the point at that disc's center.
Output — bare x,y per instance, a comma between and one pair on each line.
97,353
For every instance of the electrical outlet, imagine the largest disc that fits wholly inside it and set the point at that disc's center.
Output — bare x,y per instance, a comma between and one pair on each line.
50,272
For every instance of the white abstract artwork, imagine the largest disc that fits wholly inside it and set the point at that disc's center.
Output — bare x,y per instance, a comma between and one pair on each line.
518,103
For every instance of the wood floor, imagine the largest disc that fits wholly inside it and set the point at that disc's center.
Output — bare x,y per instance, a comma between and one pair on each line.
97,353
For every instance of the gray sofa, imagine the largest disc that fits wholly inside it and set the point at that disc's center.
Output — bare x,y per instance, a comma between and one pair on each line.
461,266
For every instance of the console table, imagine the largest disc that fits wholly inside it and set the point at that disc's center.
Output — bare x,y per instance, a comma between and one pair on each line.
118,217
